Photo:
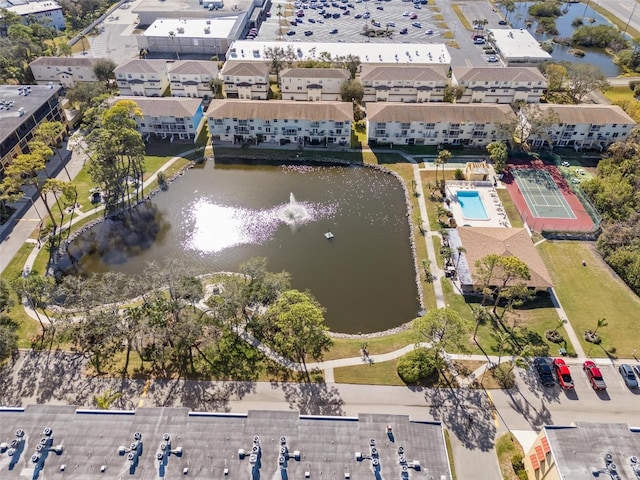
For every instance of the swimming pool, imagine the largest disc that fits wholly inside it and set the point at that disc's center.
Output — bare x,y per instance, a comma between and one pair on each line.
471,205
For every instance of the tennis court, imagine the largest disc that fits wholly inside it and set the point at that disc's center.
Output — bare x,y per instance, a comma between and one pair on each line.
540,191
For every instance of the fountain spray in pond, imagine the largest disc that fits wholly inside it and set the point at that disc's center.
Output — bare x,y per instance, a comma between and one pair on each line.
294,213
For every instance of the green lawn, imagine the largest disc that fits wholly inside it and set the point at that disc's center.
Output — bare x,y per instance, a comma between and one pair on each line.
350,347
510,208
592,292
507,447
384,373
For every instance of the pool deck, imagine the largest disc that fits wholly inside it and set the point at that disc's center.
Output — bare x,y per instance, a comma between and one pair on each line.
490,199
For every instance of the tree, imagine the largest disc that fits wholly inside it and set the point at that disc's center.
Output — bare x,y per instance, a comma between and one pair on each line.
453,93
278,57
103,69
500,275
8,336
556,77
172,35
50,133
24,171
498,153
217,87
530,122
352,91
36,290
444,329
442,159
583,79
601,322
351,63
117,155
416,365
298,322
509,6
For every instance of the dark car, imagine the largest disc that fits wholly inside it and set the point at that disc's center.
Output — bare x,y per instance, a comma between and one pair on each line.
563,374
594,375
404,31
502,22
291,32
627,374
379,8
308,33
334,31
544,372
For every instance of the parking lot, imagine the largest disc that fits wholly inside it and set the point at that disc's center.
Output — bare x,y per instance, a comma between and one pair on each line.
397,21
349,18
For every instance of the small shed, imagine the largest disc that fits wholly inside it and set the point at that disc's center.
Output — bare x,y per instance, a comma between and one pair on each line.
476,171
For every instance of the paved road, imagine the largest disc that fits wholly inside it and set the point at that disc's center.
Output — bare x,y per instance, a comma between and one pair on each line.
624,10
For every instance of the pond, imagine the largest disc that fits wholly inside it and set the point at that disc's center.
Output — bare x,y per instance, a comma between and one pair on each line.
216,218
571,11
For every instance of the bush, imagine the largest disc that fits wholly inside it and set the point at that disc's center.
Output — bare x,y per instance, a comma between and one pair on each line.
545,9
416,365
458,174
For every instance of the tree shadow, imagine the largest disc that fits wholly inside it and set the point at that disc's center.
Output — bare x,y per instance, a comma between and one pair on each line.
313,398
536,416
467,413
531,380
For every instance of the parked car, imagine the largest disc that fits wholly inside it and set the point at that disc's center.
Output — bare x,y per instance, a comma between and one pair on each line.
366,15
357,15
406,14
334,31
294,23
429,32
544,371
413,16
416,24
492,59
308,33
594,375
502,22
628,376
380,8
404,31
291,32
311,20
391,24
563,374
336,15
479,41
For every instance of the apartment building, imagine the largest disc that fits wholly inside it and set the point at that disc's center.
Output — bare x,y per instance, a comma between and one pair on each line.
172,118
246,80
405,84
313,123
47,13
435,124
145,78
64,71
313,84
192,78
585,126
499,85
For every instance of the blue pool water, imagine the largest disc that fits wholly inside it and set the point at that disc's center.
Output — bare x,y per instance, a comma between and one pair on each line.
471,204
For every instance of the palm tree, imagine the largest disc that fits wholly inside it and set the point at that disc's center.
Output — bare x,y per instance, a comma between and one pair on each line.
602,322
172,34
443,157
82,36
460,250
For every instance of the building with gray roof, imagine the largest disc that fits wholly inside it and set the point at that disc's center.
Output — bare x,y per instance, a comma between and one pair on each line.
585,450
62,442
22,109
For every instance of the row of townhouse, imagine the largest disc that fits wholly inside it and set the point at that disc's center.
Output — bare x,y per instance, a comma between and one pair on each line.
249,80
146,78
329,123
578,126
152,78
391,83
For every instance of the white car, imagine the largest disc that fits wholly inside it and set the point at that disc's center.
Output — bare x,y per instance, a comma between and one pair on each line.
492,59
406,14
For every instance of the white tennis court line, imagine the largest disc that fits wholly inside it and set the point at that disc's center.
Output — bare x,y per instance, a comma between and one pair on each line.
533,205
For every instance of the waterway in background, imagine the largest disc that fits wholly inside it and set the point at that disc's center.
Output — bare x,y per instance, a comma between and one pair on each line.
595,56
217,218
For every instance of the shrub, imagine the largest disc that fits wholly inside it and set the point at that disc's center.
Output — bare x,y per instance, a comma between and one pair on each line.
416,365
577,22
545,9
458,174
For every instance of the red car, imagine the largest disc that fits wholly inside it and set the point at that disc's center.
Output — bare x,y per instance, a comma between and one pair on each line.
563,374
594,375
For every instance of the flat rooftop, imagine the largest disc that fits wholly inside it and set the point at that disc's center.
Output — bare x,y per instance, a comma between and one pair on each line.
581,448
516,43
10,114
321,448
378,53
190,8
219,27
23,9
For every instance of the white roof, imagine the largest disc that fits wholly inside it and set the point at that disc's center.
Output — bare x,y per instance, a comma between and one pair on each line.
518,43
376,53
219,27
34,7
